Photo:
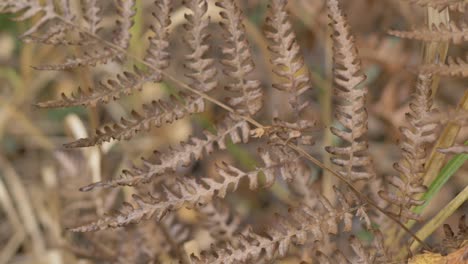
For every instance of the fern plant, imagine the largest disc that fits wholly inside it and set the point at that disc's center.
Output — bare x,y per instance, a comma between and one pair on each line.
315,223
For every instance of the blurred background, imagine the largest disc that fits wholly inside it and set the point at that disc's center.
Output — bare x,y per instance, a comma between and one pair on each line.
39,179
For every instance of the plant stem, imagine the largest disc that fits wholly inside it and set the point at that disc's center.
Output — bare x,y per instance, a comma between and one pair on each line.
440,218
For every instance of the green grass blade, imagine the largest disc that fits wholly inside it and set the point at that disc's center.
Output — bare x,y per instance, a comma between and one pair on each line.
445,174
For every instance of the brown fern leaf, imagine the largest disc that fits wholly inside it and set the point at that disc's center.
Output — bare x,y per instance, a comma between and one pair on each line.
369,254
452,240
30,8
57,33
176,232
103,54
457,149
202,69
295,229
99,56
54,35
190,193
238,61
441,4
354,158
363,255
124,23
91,15
112,89
298,132
157,54
287,58
193,149
337,257
220,221
415,140
452,32
455,67
155,114
458,116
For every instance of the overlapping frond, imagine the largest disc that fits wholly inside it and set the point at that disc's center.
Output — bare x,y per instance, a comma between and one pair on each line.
353,158
102,54
287,58
220,221
29,9
202,70
452,32
301,225
157,54
91,15
238,61
441,4
456,240
177,232
454,67
89,58
125,12
109,90
193,149
374,253
191,193
416,138
457,149
156,114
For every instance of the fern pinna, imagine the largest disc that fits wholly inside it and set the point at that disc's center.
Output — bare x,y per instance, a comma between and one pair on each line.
283,145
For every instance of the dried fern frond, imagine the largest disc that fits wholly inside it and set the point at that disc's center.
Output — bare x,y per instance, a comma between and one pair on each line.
190,193
91,15
202,69
238,61
354,159
299,132
441,4
89,58
111,89
220,221
452,32
157,54
416,138
56,35
334,258
299,226
452,240
455,67
30,8
193,149
457,149
155,114
287,58
125,13
175,231
368,254
456,116
103,53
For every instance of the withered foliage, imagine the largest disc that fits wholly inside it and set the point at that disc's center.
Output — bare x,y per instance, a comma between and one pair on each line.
147,226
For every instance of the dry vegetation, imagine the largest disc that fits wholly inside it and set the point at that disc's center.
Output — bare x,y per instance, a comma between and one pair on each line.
262,131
